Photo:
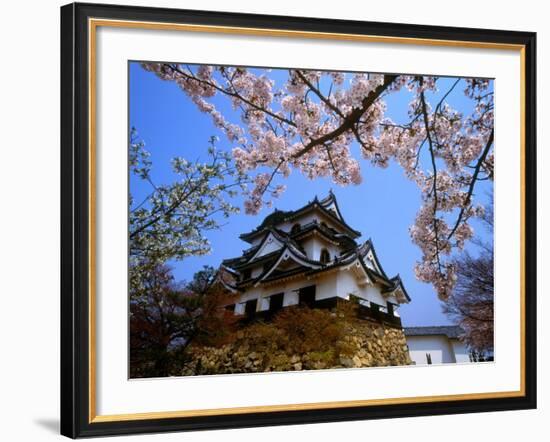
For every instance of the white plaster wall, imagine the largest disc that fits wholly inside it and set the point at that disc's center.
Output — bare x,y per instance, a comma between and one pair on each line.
392,299
336,283
261,293
346,284
309,247
317,246
269,246
438,346
326,287
374,294
258,293
314,244
288,288
460,350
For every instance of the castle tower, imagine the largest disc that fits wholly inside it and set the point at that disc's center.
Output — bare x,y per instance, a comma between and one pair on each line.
311,256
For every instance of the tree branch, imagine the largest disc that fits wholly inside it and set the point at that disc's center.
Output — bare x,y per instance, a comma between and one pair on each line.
231,94
351,119
434,167
473,181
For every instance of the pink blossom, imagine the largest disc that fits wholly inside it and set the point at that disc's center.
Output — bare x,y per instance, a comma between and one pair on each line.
313,121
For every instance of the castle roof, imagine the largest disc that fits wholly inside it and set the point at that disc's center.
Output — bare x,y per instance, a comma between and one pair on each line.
328,206
280,256
309,267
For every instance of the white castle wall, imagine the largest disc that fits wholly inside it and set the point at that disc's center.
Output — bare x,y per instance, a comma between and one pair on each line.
339,282
336,283
443,350
347,285
326,287
270,245
314,244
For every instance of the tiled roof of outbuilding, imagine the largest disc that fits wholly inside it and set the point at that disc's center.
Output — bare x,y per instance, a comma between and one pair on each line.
451,331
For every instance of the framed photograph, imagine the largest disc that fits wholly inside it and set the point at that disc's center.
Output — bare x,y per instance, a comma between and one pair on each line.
273,220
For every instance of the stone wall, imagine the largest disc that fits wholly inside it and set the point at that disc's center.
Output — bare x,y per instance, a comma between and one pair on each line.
367,344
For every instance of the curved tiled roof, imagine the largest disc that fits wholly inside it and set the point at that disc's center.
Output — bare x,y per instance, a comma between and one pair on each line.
276,217
345,239
397,282
451,331
280,216
246,259
275,257
342,239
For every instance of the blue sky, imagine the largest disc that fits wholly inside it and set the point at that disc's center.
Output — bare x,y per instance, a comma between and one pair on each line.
383,207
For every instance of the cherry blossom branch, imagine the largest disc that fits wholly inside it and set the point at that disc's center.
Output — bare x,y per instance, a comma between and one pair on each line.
434,167
233,94
351,119
472,182
319,94
330,159
314,133
438,107
357,135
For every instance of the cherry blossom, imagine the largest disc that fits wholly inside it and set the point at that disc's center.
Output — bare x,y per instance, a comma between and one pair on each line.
169,223
313,122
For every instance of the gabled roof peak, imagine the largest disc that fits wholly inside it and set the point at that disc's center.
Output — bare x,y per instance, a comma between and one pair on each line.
330,198
280,216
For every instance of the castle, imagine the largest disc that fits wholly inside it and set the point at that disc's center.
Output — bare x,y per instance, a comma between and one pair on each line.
311,256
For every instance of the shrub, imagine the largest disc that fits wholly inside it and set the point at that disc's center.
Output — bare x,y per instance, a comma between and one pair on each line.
300,330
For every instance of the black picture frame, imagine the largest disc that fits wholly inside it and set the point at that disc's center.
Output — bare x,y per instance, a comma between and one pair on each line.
75,221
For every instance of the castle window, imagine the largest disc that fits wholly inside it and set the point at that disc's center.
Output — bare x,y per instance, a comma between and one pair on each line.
247,274
250,307
295,228
325,256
